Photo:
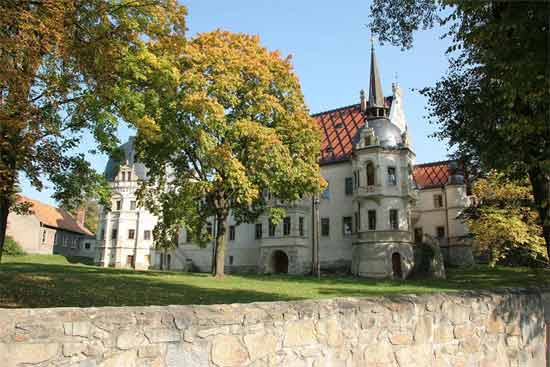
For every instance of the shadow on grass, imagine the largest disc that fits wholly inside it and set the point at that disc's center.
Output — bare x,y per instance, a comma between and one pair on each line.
47,285
35,284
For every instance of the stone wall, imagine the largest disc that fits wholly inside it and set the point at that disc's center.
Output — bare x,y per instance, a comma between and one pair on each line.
469,329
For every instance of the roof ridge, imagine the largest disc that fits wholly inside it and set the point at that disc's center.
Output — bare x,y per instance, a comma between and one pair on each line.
334,110
435,163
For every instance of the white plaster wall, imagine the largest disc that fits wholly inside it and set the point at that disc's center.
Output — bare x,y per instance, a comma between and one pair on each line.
336,246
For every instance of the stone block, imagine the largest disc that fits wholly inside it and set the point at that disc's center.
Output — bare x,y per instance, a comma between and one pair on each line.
261,345
401,339
463,331
127,359
300,333
183,355
424,331
81,328
205,333
163,335
227,351
71,349
456,313
26,354
130,339
150,351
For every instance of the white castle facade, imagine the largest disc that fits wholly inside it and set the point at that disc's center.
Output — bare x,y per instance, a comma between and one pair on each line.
378,207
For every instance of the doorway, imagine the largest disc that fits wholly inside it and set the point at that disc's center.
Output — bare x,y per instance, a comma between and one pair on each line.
279,262
396,265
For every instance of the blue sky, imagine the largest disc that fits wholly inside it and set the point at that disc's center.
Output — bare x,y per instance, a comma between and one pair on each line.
330,47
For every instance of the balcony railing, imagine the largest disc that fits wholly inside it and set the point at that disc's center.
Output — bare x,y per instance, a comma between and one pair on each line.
383,236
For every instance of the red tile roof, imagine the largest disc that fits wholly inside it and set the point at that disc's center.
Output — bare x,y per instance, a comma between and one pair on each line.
432,174
55,217
340,128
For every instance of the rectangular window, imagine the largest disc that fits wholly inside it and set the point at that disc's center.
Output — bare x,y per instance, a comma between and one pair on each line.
394,219
325,227
231,259
133,205
286,226
347,226
87,246
349,186
258,231
301,226
103,234
44,236
114,234
146,235
440,232
123,175
392,176
131,234
438,201
118,204
372,220
231,233
209,228
272,228
129,176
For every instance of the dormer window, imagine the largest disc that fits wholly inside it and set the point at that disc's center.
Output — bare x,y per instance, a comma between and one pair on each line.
129,176
339,125
123,176
368,140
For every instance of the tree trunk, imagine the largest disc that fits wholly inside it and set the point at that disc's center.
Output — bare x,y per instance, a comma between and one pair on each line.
540,182
221,219
4,211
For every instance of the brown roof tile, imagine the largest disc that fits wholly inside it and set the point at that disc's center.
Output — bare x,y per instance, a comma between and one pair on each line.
55,217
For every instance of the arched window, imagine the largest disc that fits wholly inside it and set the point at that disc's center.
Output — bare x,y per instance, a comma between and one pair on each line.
370,174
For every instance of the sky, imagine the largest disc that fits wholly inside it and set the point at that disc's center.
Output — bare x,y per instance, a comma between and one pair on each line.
330,48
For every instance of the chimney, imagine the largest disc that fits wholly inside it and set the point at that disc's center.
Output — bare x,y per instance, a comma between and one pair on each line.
363,100
81,215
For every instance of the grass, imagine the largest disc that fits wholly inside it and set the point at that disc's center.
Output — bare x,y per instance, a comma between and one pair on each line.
56,281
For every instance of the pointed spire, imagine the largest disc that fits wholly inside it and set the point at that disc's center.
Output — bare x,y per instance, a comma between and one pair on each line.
376,95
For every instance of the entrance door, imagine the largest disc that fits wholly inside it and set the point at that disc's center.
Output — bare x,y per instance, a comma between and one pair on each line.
130,260
396,266
279,262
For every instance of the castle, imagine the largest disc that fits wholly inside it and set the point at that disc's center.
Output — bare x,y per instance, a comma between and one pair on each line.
378,206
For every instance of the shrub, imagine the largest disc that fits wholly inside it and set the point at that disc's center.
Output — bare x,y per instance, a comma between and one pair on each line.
12,248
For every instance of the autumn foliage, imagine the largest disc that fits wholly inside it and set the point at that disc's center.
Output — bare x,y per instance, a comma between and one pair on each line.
228,123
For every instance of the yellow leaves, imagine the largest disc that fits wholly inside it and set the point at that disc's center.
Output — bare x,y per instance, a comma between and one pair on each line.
148,128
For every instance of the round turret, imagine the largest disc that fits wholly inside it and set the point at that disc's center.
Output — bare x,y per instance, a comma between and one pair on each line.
388,134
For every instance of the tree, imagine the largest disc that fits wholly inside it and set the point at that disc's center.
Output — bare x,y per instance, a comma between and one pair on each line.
65,65
504,220
492,105
228,122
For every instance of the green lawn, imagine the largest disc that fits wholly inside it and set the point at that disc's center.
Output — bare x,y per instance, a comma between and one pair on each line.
54,281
